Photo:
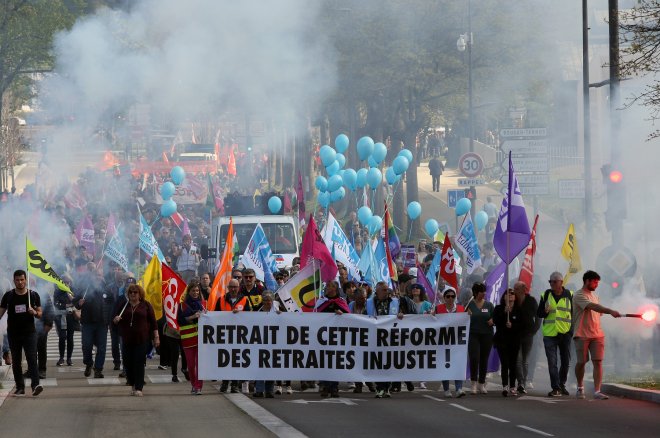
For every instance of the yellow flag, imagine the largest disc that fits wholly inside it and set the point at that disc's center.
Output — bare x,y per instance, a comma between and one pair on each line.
152,282
569,250
439,236
37,265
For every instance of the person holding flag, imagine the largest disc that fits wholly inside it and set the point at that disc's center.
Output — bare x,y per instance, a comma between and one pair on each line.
450,306
192,307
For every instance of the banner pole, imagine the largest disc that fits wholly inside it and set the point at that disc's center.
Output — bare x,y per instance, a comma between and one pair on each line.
27,269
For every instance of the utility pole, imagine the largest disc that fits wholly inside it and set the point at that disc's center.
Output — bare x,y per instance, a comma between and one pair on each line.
615,118
588,201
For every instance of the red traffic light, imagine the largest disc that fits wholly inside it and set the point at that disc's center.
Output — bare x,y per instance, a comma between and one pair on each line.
616,176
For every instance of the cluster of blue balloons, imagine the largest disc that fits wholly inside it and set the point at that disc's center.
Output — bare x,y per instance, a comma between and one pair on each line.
374,223
167,190
464,205
333,188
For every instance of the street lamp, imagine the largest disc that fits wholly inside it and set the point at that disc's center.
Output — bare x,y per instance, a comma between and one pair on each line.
465,42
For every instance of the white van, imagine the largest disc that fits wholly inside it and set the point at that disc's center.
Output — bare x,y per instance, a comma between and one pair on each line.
281,232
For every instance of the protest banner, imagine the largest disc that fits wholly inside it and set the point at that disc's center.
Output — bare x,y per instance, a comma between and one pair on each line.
324,346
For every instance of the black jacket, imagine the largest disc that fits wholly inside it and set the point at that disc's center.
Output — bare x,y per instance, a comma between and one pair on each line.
99,302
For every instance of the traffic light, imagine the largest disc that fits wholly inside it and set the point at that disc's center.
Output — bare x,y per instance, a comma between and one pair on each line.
616,197
471,194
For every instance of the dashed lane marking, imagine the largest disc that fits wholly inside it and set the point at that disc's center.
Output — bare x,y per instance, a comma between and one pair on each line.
501,420
461,407
264,417
434,398
531,429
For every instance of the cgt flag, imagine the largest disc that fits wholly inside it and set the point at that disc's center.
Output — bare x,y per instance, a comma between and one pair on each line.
299,293
570,252
37,265
448,264
527,271
172,291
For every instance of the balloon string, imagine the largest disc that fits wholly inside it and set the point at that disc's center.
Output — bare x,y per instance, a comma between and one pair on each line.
410,232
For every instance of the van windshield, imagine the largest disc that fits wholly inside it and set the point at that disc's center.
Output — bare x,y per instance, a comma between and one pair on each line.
280,237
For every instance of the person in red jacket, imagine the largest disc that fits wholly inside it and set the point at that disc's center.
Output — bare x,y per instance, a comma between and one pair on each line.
450,306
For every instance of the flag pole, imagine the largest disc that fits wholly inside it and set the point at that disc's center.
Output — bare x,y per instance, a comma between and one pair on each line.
27,269
508,226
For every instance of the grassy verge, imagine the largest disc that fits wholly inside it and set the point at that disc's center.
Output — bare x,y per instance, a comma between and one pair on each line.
644,381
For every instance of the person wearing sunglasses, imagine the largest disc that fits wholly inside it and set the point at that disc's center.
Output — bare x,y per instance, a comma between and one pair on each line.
450,306
251,289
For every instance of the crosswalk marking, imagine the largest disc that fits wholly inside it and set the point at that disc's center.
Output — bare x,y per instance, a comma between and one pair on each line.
53,351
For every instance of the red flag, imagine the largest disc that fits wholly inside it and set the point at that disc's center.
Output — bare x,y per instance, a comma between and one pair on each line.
527,271
287,202
165,159
231,163
447,264
314,248
178,219
173,288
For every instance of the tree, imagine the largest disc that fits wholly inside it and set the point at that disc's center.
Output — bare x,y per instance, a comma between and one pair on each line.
640,34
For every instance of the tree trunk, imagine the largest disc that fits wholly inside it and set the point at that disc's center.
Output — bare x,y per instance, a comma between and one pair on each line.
412,188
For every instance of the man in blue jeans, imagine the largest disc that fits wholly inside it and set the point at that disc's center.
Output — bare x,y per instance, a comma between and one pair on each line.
22,307
96,306
556,310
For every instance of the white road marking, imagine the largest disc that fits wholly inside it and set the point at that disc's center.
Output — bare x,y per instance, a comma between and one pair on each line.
104,381
434,398
531,429
461,407
265,418
501,420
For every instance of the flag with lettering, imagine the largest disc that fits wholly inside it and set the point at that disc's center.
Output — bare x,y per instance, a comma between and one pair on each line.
299,293
172,291
512,232
259,256
448,264
340,246
115,250
37,265
570,252
85,234
527,270
367,264
466,241
380,257
147,241
495,284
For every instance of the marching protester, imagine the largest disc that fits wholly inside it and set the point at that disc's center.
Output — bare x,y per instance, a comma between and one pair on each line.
175,349
555,308
267,388
137,326
233,301
113,283
530,325
421,300
588,335
508,320
251,288
43,326
191,308
22,306
187,259
66,322
450,306
481,337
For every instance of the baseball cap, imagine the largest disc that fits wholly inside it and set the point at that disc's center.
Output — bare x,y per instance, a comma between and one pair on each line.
412,272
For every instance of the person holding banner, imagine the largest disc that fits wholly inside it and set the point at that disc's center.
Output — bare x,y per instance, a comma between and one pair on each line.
22,306
267,387
481,337
137,326
450,306
508,319
191,309
65,321
421,300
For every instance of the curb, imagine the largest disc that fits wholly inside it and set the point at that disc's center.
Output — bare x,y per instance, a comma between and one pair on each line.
631,392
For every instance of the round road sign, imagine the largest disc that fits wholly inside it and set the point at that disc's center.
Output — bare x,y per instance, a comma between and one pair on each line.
471,164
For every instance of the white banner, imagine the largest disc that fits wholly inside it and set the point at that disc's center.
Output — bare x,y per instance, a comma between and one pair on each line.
325,346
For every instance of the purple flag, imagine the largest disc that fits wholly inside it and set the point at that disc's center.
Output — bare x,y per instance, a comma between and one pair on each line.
85,234
430,290
495,284
512,232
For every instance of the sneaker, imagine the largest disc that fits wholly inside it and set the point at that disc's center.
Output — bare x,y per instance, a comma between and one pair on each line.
18,392
278,390
98,374
555,393
223,388
580,394
42,375
422,385
60,362
530,385
460,393
482,388
198,392
160,367
448,394
175,379
351,385
139,394
122,375
245,387
505,391
39,389
69,363
600,396
387,394
521,390
233,390
473,387
380,394
410,387
513,391
564,391
289,390
258,395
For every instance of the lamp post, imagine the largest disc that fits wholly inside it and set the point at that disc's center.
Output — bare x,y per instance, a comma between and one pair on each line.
465,42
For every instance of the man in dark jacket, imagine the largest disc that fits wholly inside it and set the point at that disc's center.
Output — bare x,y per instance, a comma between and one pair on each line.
436,168
43,327
530,325
96,306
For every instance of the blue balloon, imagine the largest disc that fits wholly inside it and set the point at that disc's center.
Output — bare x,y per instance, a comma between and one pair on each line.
168,208
406,153
431,227
274,204
341,143
400,164
334,183
361,178
333,168
481,219
374,178
372,162
391,177
167,190
374,225
321,183
324,199
327,155
414,210
364,214
350,179
338,194
341,159
463,206
178,174
379,153
365,147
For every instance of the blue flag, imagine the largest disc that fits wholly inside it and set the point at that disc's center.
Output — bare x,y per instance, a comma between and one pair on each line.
380,257
512,232
367,265
116,250
432,273
148,242
259,256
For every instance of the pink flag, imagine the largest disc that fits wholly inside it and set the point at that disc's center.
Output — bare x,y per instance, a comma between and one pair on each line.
287,202
314,248
85,234
186,228
111,227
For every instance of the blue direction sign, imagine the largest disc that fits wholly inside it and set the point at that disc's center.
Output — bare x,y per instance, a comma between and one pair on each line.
453,196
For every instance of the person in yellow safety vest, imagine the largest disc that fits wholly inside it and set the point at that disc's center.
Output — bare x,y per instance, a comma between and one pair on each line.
233,301
556,310
192,307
